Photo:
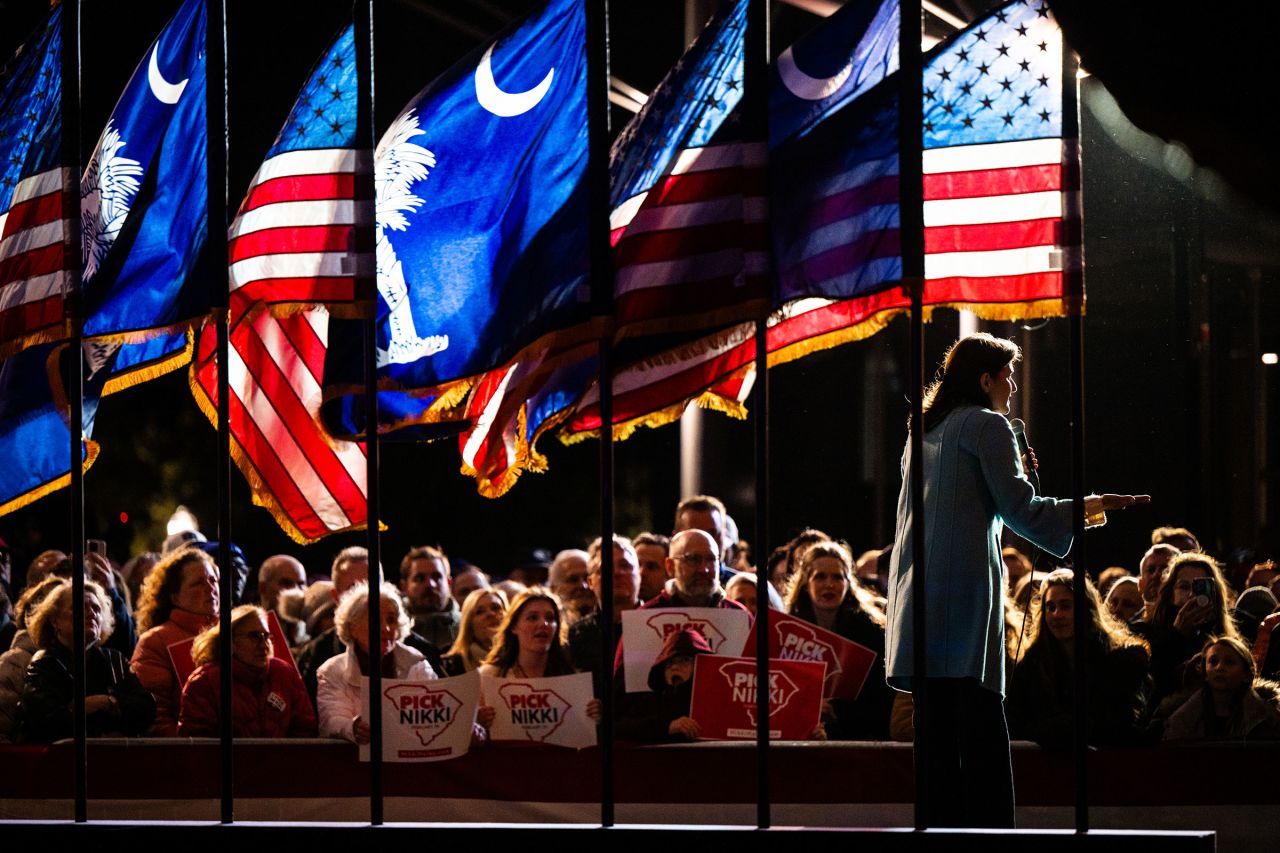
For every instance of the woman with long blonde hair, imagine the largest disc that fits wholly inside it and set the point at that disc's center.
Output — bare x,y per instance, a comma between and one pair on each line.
115,703
481,618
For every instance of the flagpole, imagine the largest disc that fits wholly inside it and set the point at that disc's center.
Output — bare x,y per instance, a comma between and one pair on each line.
219,301
911,206
755,88
1073,281
602,294
70,108
367,293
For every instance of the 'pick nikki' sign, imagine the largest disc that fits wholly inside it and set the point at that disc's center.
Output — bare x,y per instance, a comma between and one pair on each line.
426,720
790,638
725,698
645,631
542,710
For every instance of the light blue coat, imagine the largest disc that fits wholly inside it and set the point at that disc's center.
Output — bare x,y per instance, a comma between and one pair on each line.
973,486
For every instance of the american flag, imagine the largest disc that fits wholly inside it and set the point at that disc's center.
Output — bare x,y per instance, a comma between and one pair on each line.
834,204
501,441
997,172
294,238
835,176
717,371
293,243
37,261
996,168
689,219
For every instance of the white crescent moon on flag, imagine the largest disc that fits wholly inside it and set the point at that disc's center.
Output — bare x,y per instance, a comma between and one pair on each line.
809,88
506,104
165,92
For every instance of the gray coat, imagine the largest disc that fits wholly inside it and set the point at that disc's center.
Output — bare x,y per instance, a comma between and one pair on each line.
973,486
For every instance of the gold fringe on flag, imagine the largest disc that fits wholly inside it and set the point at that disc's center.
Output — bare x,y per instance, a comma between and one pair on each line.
1036,309
151,370
91,455
44,336
262,496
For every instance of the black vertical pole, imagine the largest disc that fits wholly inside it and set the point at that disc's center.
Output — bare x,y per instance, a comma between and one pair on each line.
367,292
216,248
597,12
1073,282
911,193
70,108
755,104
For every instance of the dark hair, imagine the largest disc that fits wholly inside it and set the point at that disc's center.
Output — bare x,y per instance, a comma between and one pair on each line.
663,542
857,597
423,552
1105,631
803,539
958,379
700,503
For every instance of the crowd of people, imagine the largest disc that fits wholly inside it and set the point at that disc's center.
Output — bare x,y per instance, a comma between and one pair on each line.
1174,651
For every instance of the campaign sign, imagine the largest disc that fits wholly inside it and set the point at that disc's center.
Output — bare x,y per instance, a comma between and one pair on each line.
724,698
541,710
279,644
791,638
425,720
180,657
645,631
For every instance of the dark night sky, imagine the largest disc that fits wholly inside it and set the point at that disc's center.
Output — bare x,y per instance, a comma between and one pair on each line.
1163,410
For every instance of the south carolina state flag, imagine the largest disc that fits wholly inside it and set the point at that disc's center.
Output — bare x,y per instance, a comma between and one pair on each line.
144,200
481,213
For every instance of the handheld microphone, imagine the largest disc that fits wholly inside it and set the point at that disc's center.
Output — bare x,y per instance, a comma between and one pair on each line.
1020,433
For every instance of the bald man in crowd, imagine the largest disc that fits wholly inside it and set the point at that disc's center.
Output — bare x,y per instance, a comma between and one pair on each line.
277,574
693,564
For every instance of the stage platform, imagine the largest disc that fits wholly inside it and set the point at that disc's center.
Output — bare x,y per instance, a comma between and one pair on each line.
193,837
666,795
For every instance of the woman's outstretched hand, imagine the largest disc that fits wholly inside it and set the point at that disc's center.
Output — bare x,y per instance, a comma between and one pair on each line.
1105,503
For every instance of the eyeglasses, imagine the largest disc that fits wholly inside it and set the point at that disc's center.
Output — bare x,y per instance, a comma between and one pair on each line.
255,636
697,561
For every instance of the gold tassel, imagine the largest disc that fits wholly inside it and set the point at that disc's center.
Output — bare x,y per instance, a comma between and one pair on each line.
262,496
146,372
45,336
141,336
1037,309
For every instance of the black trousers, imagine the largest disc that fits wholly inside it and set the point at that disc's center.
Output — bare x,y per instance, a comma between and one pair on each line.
969,771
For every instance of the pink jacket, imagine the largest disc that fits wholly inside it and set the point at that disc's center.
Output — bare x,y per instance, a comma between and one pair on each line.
154,668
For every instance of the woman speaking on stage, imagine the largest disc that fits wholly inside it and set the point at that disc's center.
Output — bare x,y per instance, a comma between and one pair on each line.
974,485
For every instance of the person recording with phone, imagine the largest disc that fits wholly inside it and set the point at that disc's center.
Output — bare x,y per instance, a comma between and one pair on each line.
99,569
1193,605
975,483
